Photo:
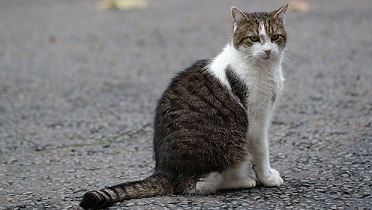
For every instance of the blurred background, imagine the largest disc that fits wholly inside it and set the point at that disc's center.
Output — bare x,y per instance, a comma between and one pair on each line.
79,80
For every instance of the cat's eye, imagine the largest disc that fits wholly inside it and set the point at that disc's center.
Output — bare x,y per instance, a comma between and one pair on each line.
275,37
254,38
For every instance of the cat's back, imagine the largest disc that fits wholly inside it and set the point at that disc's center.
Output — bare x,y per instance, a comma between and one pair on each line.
198,92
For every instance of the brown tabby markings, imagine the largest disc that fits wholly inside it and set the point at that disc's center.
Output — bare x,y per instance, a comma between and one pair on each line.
193,100
159,184
238,88
250,26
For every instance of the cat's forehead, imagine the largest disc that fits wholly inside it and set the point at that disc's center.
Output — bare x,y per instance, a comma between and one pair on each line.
258,16
258,20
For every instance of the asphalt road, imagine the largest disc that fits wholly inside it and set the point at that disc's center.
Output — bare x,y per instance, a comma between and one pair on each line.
78,88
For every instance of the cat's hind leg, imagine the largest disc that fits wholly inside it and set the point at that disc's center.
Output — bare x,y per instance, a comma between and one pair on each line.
237,178
232,178
208,184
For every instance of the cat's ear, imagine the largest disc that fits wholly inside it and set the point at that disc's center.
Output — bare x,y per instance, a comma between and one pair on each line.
280,13
238,15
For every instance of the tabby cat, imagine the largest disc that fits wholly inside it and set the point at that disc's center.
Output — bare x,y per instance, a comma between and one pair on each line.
212,121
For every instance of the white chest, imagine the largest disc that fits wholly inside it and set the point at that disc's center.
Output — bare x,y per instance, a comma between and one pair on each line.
263,80
263,88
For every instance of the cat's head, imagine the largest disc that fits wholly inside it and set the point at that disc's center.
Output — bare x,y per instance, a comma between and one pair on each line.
259,35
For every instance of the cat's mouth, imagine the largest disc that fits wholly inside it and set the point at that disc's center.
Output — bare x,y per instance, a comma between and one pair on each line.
266,57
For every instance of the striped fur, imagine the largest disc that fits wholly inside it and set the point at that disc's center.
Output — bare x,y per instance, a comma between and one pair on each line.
198,119
211,122
154,185
238,87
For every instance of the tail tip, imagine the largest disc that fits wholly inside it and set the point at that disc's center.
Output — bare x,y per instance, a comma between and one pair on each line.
89,201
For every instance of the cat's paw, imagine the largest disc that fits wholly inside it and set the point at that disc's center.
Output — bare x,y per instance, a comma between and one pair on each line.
248,182
273,180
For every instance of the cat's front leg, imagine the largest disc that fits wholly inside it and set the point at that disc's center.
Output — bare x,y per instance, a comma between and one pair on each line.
261,164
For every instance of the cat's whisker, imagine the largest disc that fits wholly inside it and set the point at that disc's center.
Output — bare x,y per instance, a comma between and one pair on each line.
252,62
250,58
290,61
292,56
294,50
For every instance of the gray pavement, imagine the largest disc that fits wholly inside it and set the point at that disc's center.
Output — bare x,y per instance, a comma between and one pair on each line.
78,88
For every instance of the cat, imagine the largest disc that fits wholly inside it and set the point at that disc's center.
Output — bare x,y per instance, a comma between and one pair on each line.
211,123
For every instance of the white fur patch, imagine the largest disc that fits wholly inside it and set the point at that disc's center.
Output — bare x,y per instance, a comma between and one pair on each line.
272,180
262,31
251,70
266,40
264,80
209,184
237,178
218,66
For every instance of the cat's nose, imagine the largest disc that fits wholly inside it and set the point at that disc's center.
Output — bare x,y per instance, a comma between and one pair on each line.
267,52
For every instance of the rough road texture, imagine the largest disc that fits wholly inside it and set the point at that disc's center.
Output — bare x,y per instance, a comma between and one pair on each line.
78,88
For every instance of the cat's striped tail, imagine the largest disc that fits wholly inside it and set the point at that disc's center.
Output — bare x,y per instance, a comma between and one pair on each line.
155,185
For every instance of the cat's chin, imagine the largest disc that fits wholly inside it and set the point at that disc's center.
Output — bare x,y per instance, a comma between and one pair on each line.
266,58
